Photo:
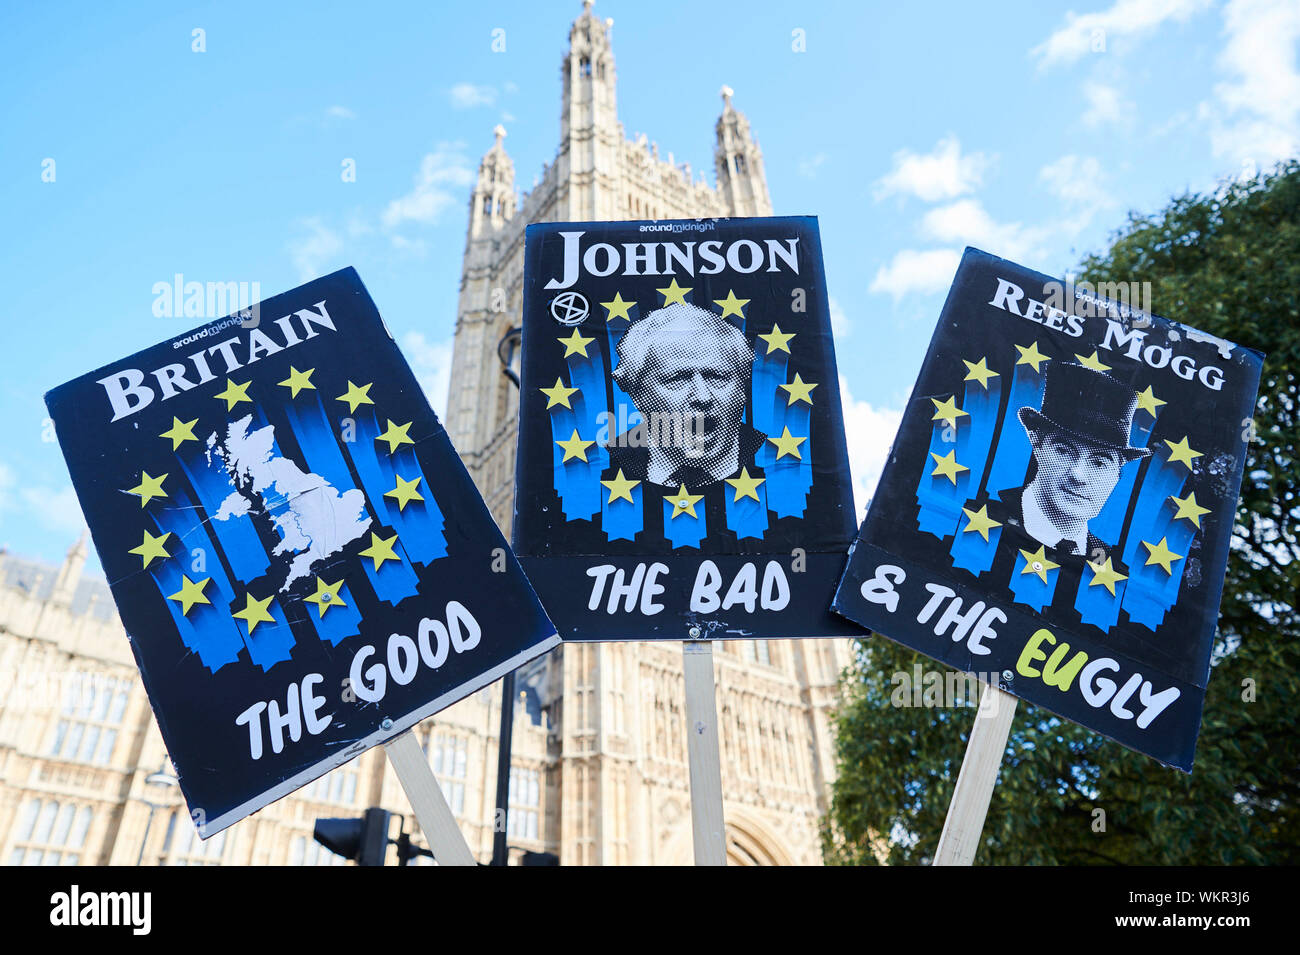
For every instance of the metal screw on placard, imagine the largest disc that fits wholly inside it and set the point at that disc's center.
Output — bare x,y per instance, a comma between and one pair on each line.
387,724
694,632
1007,676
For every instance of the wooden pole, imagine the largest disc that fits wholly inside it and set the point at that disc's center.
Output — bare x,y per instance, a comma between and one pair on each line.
979,771
431,810
702,750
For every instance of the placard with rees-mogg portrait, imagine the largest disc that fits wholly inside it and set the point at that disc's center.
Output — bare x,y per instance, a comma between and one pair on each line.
1056,512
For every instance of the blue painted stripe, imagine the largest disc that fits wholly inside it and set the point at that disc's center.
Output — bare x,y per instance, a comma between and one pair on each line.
970,551
342,620
621,520
1011,460
684,530
1028,589
208,631
1151,592
747,517
1095,604
1109,524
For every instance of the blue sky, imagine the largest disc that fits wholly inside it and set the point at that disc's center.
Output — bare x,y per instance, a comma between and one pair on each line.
1029,129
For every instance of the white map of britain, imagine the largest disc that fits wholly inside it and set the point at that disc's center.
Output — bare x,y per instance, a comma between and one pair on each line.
313,519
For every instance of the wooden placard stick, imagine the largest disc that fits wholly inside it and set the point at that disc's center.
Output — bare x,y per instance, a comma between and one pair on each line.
446,841
979,771
702,751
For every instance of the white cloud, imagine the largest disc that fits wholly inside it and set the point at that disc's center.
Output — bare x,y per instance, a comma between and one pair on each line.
1077,181
1084,33
1080,185
942,174
1254,118
57,509
439,185
468,96
912,270
316,253
340,112
840,327
431,362
1106,105
809,165
869,432
966,221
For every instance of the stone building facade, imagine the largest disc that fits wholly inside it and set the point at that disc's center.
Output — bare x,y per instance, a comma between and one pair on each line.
599,754
618,756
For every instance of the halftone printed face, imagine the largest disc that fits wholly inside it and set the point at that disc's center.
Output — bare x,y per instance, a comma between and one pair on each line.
1075,477
690,378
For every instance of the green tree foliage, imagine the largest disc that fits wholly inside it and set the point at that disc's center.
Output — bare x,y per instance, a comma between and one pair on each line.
1229,264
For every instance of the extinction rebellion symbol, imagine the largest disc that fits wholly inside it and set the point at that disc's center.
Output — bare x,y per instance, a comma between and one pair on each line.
569,308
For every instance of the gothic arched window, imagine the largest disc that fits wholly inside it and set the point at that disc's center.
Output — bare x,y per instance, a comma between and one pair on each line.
584,67
740,163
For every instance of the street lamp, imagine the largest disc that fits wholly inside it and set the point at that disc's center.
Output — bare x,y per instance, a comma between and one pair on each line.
508,351
161,779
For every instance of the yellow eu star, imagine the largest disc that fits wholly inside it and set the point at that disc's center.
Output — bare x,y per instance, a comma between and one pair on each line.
947,411
575,344
777,340
731,305
326,596
1188,508
233,393
149,488
617,308
979,521
673,293
180,432
254,612
1182,451
1037,563
405,492
1031,356
356,395
298,381
1092,361
559,395
1148,402
395,435
799,390
151,547
947,466
575,447
191,593
1162,555
787,444
620,487
1105,575
745,485
684,502
979,371
380,550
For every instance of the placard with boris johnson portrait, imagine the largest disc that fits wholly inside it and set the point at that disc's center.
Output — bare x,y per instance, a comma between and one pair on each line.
682,464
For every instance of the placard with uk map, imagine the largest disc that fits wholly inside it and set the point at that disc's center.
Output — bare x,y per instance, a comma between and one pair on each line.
1056,513
300,559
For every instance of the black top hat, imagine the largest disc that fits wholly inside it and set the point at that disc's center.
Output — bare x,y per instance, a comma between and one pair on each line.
1088,404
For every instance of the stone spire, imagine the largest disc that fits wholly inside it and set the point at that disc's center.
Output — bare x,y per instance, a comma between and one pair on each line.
493,199
738,163
590,136
65,584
